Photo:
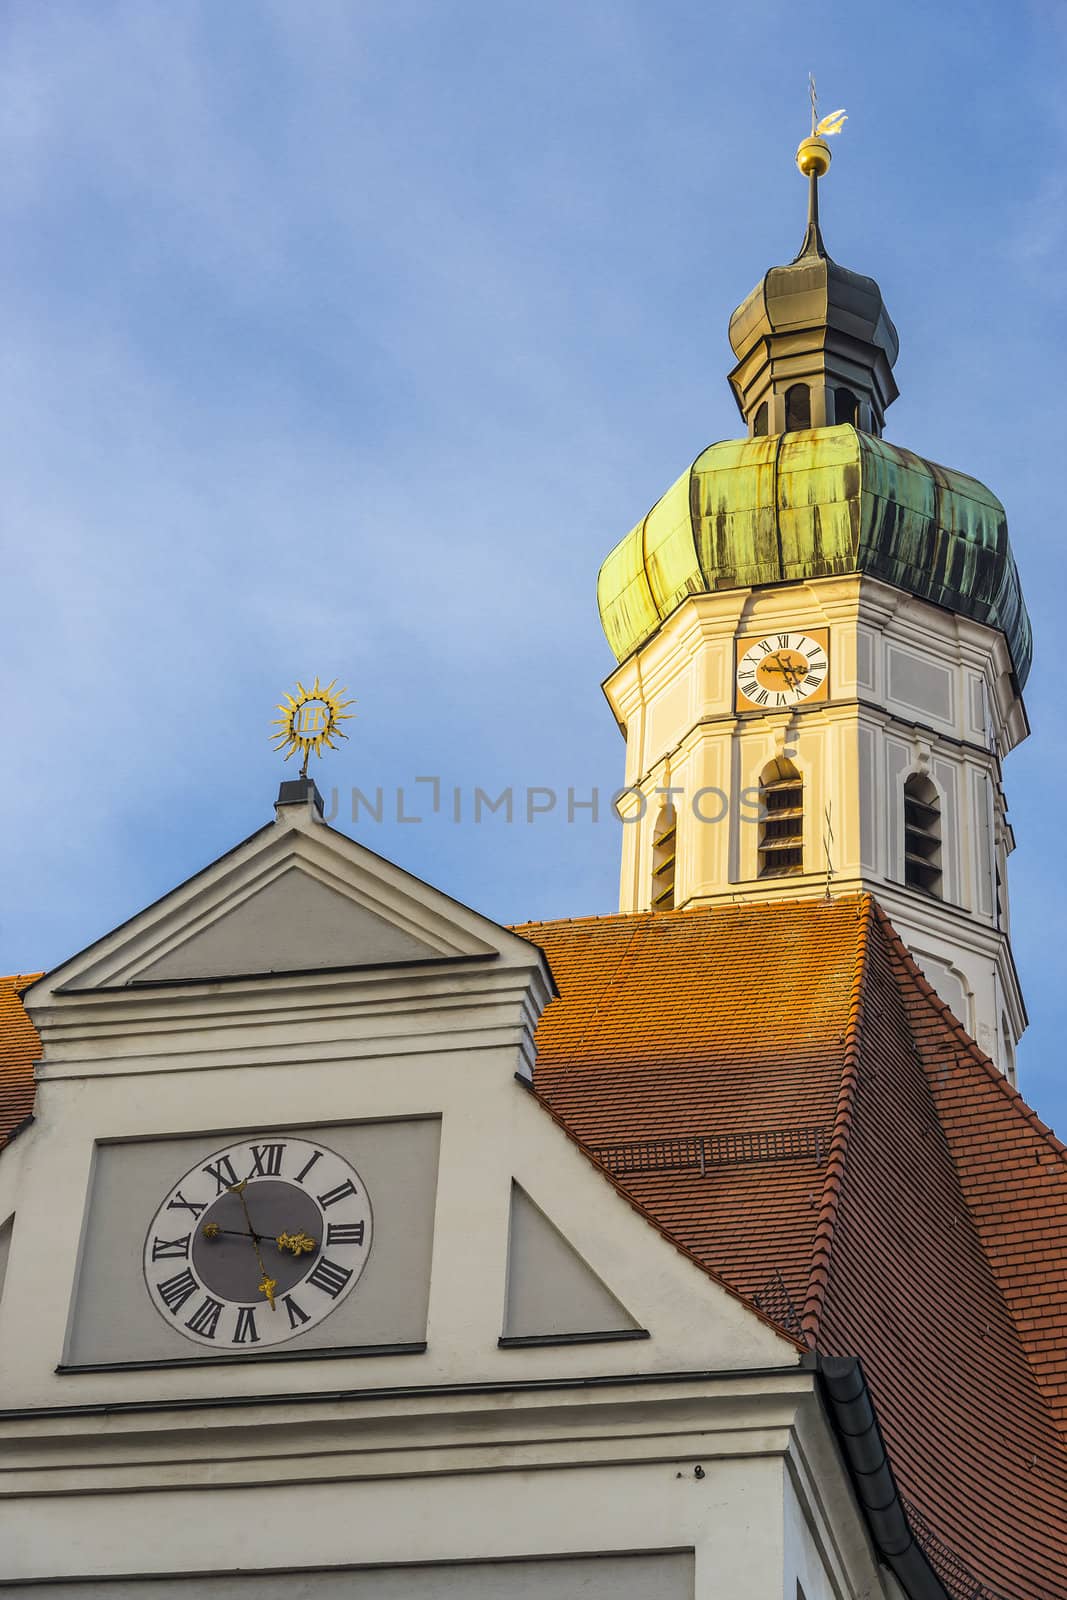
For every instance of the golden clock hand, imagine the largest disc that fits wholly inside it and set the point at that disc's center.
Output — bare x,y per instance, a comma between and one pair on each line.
299,1243
787,671
268,1284
211,1230
778,667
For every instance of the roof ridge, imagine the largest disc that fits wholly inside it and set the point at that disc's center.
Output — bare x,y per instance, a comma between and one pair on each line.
573,922
826,1222
970,1047
737,903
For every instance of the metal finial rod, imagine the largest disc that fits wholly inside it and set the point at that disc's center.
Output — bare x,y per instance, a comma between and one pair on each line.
813,159
813,202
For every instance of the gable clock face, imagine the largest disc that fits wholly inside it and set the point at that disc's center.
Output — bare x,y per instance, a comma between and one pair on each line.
257,1243
781,670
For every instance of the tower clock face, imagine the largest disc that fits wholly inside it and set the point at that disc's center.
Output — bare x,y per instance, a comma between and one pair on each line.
258,1243
781,670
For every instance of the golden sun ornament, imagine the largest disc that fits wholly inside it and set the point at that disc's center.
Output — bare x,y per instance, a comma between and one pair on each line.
309,719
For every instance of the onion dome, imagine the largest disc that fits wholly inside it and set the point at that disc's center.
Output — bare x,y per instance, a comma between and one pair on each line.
814,491
820,503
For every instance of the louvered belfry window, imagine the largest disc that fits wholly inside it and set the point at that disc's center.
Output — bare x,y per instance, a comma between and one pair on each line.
922,835
664,859
781,833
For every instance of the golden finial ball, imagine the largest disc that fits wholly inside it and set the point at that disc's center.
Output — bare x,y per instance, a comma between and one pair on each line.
813,156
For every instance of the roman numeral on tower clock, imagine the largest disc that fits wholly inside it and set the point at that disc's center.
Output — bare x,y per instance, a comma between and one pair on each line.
780,671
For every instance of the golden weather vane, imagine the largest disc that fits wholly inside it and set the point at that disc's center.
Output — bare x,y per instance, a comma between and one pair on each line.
813,159
832,123
309,719
813,153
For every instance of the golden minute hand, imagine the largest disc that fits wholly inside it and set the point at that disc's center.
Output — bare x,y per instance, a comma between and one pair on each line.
268,1284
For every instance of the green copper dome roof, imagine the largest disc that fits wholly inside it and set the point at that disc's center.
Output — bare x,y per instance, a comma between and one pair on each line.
817,504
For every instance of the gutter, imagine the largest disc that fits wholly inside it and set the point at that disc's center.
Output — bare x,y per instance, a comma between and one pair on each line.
855,1424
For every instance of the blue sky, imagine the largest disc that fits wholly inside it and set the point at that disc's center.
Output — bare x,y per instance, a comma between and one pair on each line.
348,338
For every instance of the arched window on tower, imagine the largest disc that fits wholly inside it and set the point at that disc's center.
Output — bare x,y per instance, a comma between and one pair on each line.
781,832
922,835
759,421
846,407
797,407
664,849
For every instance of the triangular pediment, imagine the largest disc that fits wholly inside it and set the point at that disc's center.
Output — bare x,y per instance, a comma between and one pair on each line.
552,1292
297,897
295,923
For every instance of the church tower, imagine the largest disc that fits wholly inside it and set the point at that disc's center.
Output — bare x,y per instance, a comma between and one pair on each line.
822,646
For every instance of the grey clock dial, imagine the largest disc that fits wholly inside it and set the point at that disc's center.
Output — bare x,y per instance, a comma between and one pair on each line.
258,1243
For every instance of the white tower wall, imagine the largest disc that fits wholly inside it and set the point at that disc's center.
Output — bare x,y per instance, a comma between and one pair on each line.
912,689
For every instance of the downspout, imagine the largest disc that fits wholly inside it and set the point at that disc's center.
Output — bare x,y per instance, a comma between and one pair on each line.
848,1401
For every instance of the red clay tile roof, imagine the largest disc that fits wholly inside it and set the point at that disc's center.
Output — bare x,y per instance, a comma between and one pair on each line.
1013,1171
705,1023
907,1283
925,1230
19,1049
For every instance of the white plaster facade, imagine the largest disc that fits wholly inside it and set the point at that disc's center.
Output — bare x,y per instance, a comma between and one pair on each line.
912,689
695,1449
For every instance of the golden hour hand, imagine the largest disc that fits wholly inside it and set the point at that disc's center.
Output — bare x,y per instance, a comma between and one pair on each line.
212,1230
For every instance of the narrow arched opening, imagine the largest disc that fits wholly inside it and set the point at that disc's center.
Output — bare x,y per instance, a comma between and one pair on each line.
781,833
759,421
1007,1048
922,835
846,407
797,407
664,858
